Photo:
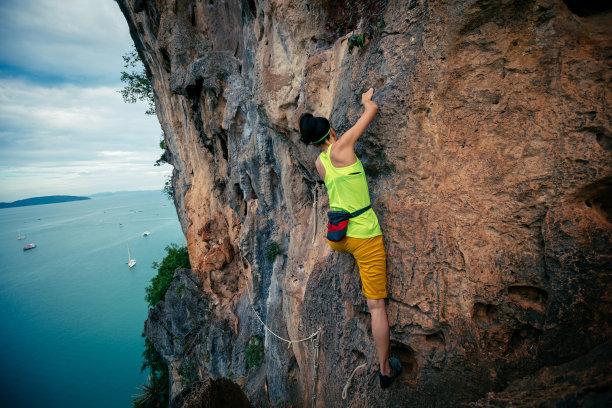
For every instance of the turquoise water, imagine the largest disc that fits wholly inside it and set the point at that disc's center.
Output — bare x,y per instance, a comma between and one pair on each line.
72,312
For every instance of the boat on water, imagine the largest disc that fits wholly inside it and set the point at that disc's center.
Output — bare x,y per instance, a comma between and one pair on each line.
130,262
146,234
29,246
21,237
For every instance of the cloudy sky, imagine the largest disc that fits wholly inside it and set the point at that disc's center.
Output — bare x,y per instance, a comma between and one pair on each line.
64,128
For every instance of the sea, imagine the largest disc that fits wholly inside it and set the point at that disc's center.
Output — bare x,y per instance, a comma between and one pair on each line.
71,311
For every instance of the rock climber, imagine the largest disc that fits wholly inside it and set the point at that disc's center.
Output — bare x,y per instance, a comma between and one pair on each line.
347,189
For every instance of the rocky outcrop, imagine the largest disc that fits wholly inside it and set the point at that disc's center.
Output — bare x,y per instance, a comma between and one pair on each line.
211,393
583,382
489,165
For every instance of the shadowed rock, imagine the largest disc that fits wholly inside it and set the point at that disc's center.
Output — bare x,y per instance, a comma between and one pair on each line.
211,393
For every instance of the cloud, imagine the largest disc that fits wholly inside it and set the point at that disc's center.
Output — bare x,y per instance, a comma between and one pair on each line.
77,41
68,139
36,120
116,153
80,180
64,128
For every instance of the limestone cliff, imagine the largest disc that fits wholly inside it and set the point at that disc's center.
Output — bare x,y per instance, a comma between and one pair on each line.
490,169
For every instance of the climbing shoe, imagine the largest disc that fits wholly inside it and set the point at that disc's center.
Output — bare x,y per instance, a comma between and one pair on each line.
396,369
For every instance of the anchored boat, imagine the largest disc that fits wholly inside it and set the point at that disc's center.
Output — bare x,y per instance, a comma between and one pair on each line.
131,262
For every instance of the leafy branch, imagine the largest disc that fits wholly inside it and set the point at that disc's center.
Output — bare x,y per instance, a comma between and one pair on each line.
359,40
168,190
137,85
162,159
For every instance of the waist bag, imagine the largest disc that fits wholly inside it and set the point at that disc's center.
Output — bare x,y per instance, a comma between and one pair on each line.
338,223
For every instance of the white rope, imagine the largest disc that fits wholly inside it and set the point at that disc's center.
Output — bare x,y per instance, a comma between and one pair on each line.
350,380
314,210
314,338
266,326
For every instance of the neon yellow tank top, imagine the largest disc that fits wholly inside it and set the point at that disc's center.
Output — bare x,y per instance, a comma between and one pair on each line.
347,189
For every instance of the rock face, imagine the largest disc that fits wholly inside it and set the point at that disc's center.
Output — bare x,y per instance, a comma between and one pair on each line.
490,169
584,382
212,394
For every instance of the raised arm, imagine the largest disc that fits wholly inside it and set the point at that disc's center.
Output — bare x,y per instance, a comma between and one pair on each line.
346,144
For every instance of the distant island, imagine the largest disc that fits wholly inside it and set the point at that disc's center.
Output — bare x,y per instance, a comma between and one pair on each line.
42,200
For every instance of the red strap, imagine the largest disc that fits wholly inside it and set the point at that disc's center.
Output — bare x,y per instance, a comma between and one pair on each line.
342,225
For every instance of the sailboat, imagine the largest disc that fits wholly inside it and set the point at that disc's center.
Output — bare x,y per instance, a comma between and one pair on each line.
131,262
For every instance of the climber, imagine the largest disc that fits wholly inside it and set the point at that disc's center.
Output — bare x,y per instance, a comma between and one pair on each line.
352,216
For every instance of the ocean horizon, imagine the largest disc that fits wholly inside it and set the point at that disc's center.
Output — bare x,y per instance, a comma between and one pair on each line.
73,311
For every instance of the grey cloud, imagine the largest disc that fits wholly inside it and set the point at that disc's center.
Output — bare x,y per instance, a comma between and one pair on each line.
62,38
71,137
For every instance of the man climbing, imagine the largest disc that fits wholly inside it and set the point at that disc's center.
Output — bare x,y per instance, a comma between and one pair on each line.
354,226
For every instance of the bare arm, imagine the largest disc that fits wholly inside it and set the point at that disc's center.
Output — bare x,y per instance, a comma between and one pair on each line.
345,147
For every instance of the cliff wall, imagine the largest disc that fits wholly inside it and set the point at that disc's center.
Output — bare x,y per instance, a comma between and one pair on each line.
489,167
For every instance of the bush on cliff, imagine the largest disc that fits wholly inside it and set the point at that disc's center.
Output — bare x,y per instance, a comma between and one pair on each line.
163,159
254,351
168,190
176,257
272,251
155,392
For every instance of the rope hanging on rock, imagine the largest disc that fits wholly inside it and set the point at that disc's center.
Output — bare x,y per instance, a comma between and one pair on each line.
314,338
315,344
350,380
314,210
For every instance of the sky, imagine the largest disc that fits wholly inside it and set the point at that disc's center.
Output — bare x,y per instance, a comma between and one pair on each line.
64,128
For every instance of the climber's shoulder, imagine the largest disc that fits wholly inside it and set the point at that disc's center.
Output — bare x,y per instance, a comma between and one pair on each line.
342,153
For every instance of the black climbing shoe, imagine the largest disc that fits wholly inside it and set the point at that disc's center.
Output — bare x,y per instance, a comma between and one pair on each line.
396,369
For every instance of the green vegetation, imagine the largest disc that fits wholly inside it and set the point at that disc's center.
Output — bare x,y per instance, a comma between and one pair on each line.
176,257
138,88
188,373
168,190
178,291
155,392
137,85
254,351
358,40
272,251
162,159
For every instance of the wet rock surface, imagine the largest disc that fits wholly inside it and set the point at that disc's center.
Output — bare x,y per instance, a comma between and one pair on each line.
490,169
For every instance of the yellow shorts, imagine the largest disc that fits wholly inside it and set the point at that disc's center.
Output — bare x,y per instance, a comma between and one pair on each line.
371,259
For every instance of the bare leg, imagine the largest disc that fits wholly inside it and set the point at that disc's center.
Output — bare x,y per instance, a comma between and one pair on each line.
380,331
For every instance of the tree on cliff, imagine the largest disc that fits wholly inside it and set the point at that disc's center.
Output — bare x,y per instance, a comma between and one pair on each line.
176,257
137,85
138,88
155,392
